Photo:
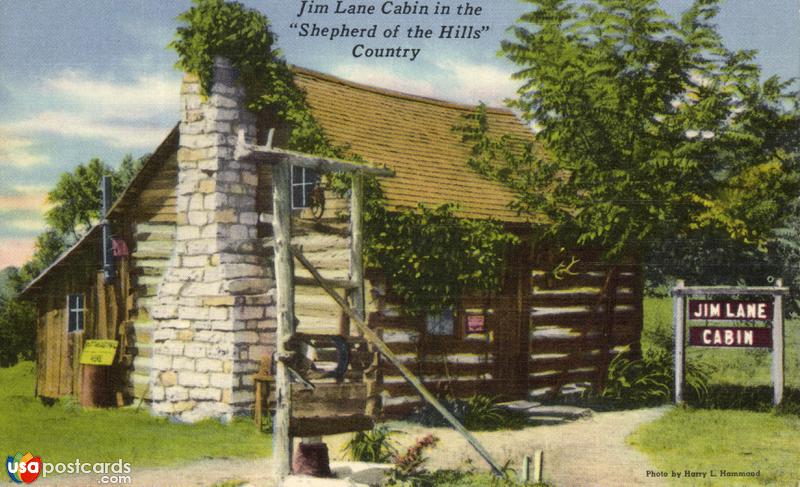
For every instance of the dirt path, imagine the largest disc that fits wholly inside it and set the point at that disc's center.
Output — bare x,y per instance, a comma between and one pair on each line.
588,452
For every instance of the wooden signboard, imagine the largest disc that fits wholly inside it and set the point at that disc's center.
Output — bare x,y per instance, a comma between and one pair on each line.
754,309
734,310
730,337
99,352
476,324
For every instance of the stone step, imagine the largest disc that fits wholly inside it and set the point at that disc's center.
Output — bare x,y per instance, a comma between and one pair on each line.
518,406
566,412
546,420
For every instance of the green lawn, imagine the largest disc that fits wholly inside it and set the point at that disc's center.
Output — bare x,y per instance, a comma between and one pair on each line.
706,440
745,437
64,432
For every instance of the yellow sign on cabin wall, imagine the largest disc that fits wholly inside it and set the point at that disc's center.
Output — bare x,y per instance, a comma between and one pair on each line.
99,352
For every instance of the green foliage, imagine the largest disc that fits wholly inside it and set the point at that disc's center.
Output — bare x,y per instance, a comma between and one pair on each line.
433,257
372,446
228,29
651,130
477,413
77,198
17,331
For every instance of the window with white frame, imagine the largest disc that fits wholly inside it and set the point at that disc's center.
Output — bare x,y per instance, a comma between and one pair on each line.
303,183
74,312
442,324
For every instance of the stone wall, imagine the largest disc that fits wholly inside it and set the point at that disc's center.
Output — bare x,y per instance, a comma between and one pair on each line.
215,311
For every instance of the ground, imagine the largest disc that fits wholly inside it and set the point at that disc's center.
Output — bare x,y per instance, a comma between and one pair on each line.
588,452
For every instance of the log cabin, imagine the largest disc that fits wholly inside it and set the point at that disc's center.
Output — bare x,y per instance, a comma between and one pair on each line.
192,299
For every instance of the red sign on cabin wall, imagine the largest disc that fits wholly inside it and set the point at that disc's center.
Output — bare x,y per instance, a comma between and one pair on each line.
476,324
702,309
739,337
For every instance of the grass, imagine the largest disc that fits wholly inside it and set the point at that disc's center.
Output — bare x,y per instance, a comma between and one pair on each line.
65,432
736,429
706,440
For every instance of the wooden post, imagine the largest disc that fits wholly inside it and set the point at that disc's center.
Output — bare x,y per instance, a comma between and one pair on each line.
777,345
538,459
525,471
357,244
282,230
680,341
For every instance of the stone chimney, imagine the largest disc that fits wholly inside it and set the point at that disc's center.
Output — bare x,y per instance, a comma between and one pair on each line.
215,314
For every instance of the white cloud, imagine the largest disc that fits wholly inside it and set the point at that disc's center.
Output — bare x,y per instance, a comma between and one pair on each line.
455,80
27,224
124,115
119,134
473,83
147,96
18,151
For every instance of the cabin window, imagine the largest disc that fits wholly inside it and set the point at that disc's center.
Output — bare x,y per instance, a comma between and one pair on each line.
303,183
442,324
74,312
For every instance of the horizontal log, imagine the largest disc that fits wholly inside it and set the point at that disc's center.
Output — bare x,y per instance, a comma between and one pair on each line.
269,155
439,369
580,319
324,426
380,320
562,378
571,361
337,283
544,300
442,347
542,280
565,345
460,388
322,340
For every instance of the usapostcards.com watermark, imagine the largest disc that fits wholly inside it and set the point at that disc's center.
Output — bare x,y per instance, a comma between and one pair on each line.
26,468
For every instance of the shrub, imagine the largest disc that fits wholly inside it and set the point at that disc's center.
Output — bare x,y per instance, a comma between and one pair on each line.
478,413
372,446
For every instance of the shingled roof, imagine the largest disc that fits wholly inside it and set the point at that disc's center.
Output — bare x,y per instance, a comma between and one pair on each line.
413,136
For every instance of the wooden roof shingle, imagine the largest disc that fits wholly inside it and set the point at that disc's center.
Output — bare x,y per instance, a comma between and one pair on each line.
414,137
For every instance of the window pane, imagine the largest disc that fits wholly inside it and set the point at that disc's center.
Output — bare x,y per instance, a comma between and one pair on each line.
297,197
442,324
297,175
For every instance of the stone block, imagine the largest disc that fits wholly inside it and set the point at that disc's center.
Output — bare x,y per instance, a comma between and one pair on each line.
157,393
193,379
246,286
217,314
196,350
185,335
221,380
161,362
220,301
183,363
197,218
176,393
194,260
193,313
209,365
168,378
163,334
206,394
164,311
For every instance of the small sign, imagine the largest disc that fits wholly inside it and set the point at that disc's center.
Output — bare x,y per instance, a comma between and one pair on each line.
701,309
730,337
99,352
476,324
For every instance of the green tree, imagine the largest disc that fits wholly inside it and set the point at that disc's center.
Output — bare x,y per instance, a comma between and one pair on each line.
650,130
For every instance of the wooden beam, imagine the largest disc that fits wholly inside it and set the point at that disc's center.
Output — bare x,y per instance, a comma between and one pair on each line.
270,155
282,230
357,245
777,347
678,323
728,291
384,349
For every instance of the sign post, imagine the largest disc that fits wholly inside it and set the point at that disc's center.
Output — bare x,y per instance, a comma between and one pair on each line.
728,337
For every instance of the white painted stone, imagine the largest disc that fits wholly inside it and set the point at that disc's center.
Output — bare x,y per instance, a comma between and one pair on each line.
176,393
206,394
208,365
196,350
183,363
193,379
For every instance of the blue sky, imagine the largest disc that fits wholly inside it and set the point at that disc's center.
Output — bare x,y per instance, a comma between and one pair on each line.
94,78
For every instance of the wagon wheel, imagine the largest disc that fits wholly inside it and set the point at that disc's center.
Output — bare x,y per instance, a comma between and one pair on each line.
316,201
